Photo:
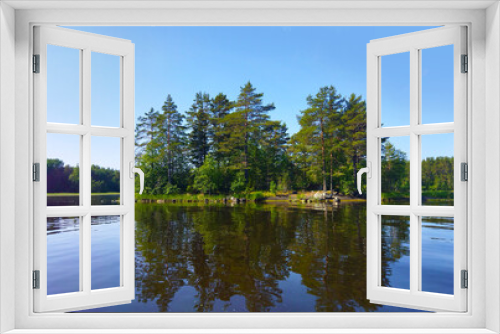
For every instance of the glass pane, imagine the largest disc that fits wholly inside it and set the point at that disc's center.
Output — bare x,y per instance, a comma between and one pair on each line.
105,170
437,84
437,169
437,254
105,258
63,172
63,255
395,89
395,233
395,170
105,90
63,85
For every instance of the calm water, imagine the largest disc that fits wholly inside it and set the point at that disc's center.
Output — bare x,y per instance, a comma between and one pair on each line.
250,257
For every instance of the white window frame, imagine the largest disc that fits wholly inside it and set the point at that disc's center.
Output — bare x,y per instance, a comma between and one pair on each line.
414,43
86,44
483,102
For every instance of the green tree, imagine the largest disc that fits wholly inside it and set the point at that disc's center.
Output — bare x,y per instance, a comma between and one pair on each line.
395,169
354,119
220,107
198,121
318,122
239,184
244,127
173,137
208,177
146,130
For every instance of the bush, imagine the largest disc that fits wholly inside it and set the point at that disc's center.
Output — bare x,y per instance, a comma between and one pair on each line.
239,183
171,189
273,187
256,196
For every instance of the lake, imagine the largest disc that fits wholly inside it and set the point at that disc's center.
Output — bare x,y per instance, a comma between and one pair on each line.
250,257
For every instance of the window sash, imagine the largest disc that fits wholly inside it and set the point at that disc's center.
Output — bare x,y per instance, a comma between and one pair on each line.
86,297
413,43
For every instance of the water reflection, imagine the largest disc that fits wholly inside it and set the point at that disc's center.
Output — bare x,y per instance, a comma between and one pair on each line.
250,258
260,258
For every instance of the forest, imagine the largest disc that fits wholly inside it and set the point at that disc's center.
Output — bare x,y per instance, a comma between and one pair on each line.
220,146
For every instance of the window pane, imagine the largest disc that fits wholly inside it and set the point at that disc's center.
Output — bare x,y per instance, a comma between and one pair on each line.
395,89
105,170
63,85
105,259
395,170
63,255
437,254
437,84
395,233
105,90
437,169
63,172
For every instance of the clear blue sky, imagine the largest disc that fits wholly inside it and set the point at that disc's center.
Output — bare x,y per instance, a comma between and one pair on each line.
285,63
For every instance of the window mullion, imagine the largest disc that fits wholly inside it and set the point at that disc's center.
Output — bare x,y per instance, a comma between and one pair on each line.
415,253
86,173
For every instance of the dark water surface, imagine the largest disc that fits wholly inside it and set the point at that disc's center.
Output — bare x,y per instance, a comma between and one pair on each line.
253,257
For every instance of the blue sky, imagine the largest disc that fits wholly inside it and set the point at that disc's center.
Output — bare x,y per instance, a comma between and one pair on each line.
285,63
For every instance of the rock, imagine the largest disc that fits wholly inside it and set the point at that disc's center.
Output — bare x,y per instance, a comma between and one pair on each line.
319,195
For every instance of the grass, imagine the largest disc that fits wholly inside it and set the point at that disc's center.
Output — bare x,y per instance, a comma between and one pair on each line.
180,197
253,196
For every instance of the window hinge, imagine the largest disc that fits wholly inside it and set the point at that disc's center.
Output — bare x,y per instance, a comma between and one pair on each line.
36,172
465,64
464,171
465,279
36,63
36,279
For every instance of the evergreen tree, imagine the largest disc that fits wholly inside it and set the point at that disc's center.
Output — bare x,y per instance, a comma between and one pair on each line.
146,131
317,123
173,135
198,121
245,125
219,108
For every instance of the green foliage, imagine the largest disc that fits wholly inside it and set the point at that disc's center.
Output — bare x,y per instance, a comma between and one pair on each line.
224,146
207,177
255,196
171,189
66,179
61,178
273,187
239,184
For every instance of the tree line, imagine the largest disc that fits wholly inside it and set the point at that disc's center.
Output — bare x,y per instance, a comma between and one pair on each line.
221,146
63,178
224,146
437,174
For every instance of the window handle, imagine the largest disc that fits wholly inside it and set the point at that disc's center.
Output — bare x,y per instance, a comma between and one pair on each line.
134,170
368,171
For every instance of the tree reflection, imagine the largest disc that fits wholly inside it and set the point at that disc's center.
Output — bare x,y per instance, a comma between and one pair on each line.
250,250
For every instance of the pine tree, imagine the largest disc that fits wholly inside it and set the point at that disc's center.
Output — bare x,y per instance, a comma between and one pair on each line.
198,121
317,123
354,119
220,107
245,126
173,136
145,131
